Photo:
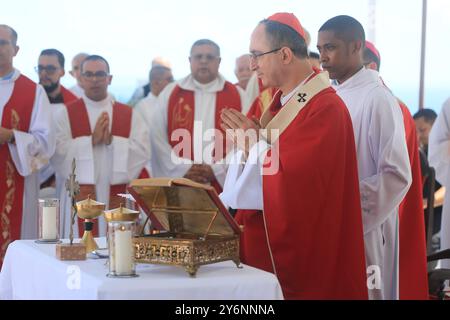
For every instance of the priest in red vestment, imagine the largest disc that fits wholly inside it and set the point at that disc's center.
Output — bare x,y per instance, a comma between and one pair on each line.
109,141
301,172
413,280
26,144
186,136
50,70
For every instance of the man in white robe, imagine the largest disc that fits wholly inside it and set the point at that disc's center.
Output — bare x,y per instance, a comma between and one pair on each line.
109,141
192,106
383,161
439,158
50,70
26,144
160,77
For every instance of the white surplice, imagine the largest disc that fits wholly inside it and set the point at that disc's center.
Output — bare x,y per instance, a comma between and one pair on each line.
102,165
164,163
384,172
47,171
145,108
439,158
31,151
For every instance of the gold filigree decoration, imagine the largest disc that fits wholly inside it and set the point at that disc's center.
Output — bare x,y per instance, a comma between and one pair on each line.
7,208
182,114
15,120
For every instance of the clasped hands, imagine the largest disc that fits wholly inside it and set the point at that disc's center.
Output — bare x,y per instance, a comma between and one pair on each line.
244,132
101,134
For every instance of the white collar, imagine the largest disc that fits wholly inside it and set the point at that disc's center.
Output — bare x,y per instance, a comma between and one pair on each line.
360,79
10,79
98,104
189,83
286,98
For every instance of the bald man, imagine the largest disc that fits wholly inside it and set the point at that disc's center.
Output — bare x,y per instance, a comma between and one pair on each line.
76,73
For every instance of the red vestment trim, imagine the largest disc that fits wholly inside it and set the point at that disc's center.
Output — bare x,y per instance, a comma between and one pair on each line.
413,254
16,115
68,96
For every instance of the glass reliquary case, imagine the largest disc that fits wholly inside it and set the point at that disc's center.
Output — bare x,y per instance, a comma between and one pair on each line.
195,228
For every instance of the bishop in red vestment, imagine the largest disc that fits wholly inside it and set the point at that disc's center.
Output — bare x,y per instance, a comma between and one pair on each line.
310,200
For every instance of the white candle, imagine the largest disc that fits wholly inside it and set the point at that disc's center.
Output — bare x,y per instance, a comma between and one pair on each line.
49,223
123,249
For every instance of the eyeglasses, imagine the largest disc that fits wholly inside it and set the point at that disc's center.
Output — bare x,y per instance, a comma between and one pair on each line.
49,69
208,57
99,75
255,56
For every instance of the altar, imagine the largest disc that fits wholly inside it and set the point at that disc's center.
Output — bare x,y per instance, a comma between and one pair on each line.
31,271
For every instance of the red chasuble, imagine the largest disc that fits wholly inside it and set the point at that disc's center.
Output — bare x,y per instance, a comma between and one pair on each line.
80,127
254,250
181,112
16,115
413,256
312,205
67,95
261,103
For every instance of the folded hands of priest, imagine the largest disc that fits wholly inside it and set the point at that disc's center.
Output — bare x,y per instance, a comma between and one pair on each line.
244,132
102,134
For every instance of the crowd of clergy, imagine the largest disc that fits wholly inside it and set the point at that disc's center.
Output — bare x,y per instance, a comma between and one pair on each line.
329,190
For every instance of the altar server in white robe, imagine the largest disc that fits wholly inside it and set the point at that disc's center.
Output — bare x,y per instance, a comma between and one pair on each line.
187,113
439,158
160,77
26,144
383,161
109,141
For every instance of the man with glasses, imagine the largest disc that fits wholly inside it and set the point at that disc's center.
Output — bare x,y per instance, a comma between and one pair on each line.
50,70
309,232
187,113
109,141
26,144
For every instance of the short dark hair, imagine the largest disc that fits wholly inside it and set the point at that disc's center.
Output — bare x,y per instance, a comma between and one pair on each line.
206,42
14,35
281,35
369,56
345,28
95,57
54,52
314,55
428,114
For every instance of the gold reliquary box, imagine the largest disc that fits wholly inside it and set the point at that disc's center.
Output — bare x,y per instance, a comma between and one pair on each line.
194,226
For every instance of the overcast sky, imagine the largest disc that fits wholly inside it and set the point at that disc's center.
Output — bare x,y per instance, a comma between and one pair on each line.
129,34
